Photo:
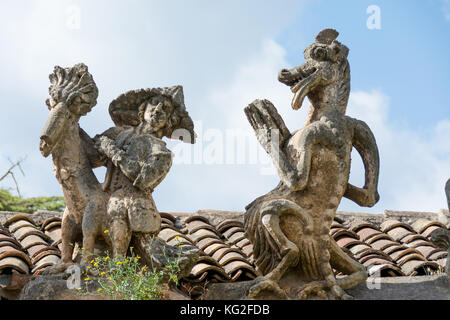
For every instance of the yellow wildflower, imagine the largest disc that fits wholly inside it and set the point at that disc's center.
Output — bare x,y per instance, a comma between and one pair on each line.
106,259
106,231
87,279
82,248
92,261
100,289
119,262
103,273
138,257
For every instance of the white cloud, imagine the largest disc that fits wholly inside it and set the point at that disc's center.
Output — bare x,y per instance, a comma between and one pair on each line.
221,58
126,46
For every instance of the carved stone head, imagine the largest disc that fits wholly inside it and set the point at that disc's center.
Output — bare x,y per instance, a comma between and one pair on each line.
326,65
157,110
73,93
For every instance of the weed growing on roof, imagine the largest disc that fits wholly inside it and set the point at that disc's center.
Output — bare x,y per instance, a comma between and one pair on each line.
126,278
433,271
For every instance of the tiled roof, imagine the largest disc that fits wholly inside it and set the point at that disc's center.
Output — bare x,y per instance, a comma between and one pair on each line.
391,248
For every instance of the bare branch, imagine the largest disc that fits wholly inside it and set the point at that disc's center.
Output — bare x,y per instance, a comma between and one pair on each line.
11,173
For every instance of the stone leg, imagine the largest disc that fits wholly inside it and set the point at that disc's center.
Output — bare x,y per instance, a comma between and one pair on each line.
121,237
270,214
120,231
92,227
356,272
69,234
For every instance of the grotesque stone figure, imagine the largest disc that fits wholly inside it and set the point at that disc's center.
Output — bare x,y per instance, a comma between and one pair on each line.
289,226
138,159
441,237
136,156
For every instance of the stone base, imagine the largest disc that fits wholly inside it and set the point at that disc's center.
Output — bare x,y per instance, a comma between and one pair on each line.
397,288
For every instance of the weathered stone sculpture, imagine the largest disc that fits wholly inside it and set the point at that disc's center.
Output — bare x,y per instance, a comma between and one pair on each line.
138,159
441,237
136,156
447,193
289,226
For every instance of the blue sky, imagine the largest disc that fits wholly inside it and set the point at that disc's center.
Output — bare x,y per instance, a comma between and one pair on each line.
226,54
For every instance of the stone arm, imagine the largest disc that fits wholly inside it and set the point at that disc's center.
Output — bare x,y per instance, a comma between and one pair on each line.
144,163
96,159
292,170
365,144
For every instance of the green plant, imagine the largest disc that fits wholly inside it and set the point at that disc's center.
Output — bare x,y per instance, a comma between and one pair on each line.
127,279
432,271
9,202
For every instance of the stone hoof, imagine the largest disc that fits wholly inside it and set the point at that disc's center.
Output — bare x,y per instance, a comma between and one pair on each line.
316,289
264,289
338,293
57,268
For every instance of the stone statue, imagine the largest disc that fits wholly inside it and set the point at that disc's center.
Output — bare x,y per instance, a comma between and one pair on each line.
137,159
289,226
441,237
447,193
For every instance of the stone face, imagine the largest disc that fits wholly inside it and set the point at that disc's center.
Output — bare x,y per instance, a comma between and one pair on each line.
137,159
289,226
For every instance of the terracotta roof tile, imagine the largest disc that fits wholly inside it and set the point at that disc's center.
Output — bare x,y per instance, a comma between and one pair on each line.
338,233
205,243
212,248
385,270
421,224
366,233
228,223
390,224
438,255
345,242
359,248
375,238
46,261
398,233
51,223
426,251
196,225
219,254
418,267
168,216
19,224
392,249
14,263
427,232
17,217
381,244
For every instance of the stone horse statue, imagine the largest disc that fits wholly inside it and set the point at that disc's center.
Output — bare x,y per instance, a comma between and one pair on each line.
289,226
136,157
